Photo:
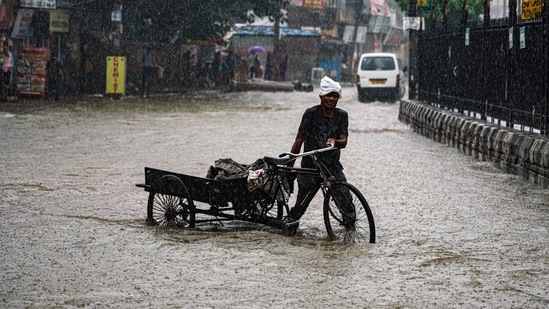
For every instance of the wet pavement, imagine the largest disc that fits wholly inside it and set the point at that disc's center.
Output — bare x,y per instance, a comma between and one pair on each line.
452,232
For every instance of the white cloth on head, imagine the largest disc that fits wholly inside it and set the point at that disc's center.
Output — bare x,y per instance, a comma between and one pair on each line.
328,85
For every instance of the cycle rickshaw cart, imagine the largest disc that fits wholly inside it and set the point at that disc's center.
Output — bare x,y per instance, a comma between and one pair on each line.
186,201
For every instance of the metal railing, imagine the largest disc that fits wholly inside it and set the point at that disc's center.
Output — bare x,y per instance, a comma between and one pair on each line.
497,71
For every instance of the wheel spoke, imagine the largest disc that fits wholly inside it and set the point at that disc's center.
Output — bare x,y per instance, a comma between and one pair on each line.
169,203
347,215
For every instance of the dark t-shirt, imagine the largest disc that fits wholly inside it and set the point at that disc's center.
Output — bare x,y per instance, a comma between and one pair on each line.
318,128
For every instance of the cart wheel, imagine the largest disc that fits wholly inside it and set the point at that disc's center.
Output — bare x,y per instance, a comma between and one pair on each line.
170,203
347,216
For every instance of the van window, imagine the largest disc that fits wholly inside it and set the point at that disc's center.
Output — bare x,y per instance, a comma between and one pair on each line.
377,64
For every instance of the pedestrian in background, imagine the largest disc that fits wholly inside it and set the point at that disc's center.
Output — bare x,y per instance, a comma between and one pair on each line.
149,64
56,75
230,63
253,60
7,64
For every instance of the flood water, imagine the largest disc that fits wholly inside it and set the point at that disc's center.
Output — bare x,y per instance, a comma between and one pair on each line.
452,232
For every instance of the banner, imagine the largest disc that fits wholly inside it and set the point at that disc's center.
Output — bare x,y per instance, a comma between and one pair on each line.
6,10
38,4
379,8
31,71
116,75
22,23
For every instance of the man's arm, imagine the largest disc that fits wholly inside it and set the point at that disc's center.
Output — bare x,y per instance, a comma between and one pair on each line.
296,147
341,142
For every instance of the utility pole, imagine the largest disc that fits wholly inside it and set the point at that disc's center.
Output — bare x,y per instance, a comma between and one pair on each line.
358,4
277,33
412,54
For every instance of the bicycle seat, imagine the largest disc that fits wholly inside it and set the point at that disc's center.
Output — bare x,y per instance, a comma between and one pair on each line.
276,161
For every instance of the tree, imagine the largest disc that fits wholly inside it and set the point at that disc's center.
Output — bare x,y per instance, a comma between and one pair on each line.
162,20
475,9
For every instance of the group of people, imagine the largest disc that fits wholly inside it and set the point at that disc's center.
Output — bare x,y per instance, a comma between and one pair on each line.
202,73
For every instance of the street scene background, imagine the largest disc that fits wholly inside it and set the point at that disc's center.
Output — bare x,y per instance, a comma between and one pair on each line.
451,231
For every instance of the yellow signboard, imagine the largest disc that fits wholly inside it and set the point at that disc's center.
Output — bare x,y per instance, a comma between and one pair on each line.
530,9
59,21
314,3
116,75
424,6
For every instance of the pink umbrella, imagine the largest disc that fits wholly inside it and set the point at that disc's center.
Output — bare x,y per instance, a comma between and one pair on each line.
257,49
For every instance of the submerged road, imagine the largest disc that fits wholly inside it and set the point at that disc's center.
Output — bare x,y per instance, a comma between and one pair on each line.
452,232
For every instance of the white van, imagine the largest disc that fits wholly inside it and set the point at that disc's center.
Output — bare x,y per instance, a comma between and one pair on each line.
380,75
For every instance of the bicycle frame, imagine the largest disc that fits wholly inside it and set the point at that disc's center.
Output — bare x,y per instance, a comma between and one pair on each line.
279,170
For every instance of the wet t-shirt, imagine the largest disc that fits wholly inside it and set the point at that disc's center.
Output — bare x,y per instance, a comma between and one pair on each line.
317,129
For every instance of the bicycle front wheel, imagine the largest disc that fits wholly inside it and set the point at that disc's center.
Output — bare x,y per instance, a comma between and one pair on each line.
347,216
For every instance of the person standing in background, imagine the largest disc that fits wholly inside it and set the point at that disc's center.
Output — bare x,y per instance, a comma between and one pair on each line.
56,76
7,65
149,64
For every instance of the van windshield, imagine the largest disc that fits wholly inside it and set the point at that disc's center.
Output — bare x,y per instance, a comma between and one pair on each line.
377,64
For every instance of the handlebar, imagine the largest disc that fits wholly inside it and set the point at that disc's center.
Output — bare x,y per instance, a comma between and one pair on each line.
308,153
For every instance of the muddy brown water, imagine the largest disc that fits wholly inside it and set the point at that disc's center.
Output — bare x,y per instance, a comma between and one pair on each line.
452,232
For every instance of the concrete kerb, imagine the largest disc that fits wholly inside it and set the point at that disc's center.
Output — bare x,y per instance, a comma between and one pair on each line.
475,145
515,152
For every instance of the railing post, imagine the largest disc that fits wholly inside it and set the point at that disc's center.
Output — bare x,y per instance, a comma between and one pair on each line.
485,67
511,64
412,54
545,128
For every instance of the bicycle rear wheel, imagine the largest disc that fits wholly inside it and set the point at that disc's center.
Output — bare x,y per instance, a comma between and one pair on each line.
347,216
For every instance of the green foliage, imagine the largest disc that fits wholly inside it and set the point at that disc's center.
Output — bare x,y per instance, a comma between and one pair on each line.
158,21
475,8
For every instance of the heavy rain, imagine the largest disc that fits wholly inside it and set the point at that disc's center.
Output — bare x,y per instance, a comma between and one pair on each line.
451,231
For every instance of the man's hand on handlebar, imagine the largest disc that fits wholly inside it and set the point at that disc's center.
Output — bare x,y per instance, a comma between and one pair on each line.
331,142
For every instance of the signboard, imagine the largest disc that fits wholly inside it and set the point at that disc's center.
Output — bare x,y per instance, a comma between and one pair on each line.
467,36
361,34
116,75
6,10
424,6
510,38
38,4
116,15
31,71
411,23
379,24
22,23
349,34
530,9
522,37
319,4
59,21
